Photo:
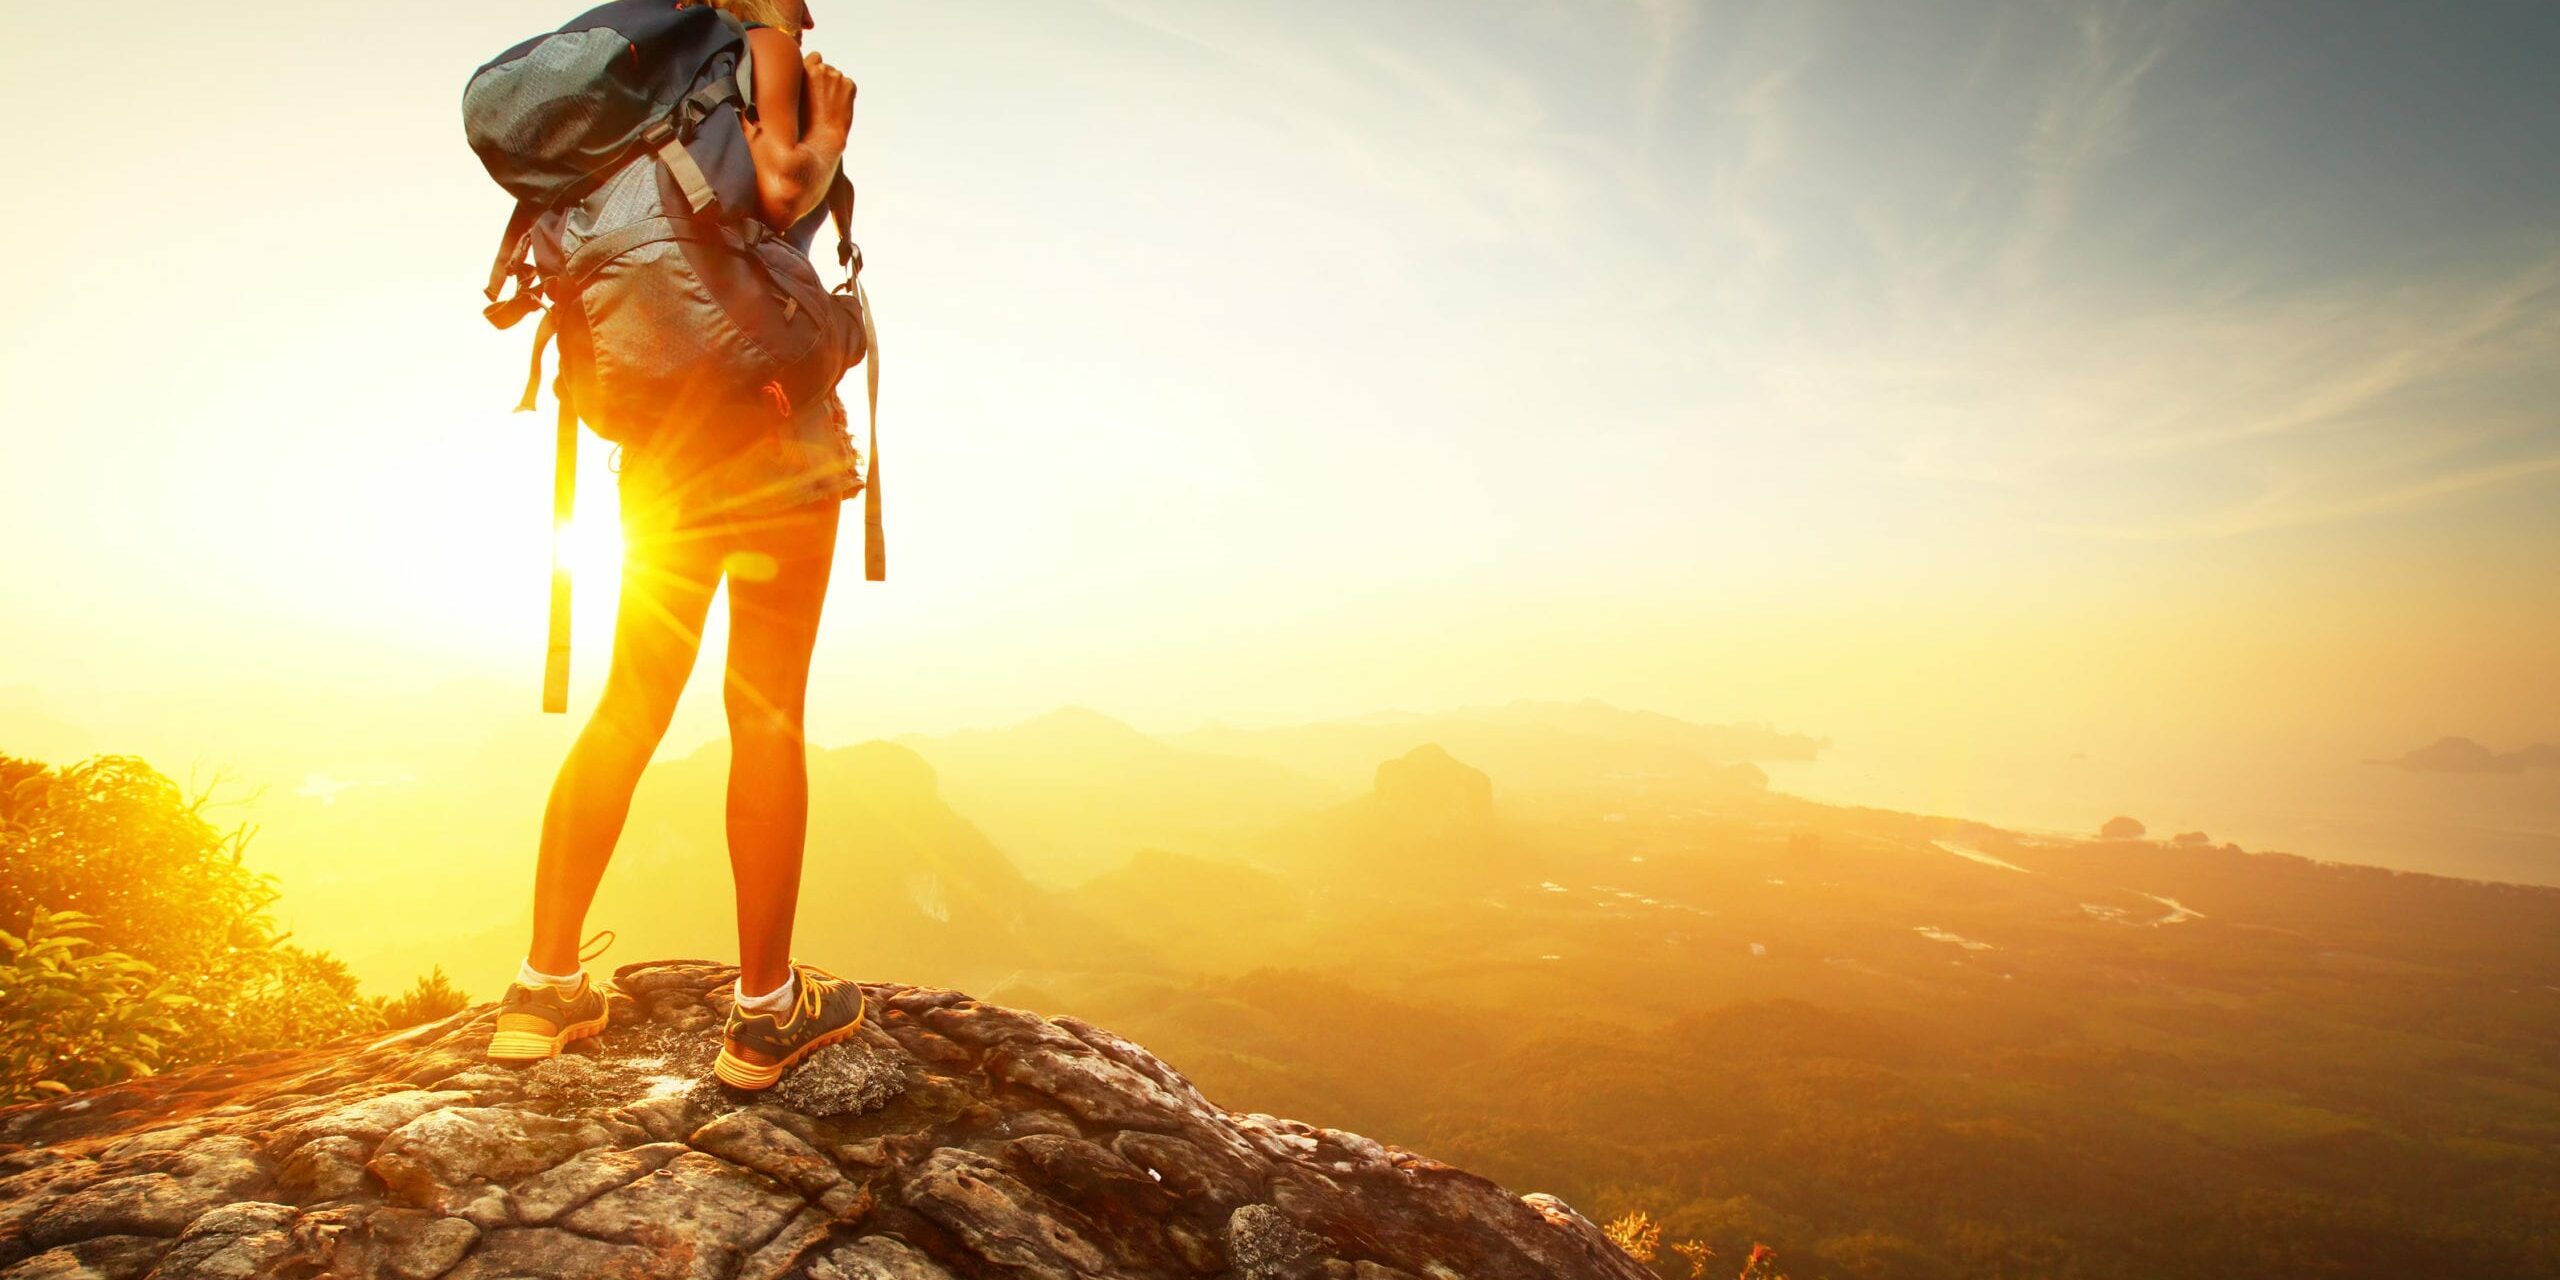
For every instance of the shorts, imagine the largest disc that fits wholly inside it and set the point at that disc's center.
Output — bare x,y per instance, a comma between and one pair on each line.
763,467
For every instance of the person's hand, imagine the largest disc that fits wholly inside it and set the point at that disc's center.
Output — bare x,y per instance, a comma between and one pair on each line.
830,95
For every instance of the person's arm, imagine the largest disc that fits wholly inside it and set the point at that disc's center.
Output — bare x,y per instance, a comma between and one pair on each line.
794,165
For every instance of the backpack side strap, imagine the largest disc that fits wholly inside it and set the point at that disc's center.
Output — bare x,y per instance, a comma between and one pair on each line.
875,547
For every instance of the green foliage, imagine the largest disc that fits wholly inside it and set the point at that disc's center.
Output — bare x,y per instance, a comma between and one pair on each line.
163,952
77,1016
433,997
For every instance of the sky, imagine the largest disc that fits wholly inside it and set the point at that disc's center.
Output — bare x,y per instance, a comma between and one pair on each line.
2058,406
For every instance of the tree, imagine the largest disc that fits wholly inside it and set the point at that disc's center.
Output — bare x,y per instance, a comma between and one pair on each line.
2121,828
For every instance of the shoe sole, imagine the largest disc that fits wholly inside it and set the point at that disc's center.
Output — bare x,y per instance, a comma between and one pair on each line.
738,1073
533,1046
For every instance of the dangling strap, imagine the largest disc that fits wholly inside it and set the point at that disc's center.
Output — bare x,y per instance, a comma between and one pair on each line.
542,334
564,505
512,251
875,547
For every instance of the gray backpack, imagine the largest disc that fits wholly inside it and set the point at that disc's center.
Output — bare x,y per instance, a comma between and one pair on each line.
621,136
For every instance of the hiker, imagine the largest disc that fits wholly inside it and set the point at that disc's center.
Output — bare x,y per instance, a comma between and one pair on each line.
754,503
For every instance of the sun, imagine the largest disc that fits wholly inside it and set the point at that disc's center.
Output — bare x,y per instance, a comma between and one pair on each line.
591,544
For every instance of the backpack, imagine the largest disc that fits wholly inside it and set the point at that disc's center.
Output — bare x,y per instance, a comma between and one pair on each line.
621,136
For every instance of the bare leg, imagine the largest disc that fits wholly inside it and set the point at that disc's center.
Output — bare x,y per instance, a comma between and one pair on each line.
666,593
777,588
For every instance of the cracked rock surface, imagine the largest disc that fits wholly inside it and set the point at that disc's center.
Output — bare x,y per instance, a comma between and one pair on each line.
950,1140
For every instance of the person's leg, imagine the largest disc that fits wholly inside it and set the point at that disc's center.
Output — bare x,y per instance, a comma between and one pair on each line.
777,588
667,583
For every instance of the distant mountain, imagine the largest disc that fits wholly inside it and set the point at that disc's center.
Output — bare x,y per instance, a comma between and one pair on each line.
1427,826
895,881
1592,717
2463,755
1532,749
1072,793
1198,914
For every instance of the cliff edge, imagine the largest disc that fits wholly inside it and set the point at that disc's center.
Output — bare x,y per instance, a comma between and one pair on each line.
952,1140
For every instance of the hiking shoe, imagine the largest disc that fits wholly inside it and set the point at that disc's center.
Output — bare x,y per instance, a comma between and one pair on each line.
538,1022
535,1023
756,1048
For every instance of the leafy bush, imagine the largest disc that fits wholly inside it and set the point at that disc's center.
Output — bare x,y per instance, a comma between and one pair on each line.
432,998
1640,1235
77,1016
189,967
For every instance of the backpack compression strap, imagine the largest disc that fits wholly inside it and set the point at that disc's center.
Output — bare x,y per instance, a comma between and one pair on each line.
667,138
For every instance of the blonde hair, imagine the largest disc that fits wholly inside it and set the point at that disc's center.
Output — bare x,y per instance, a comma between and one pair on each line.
782,15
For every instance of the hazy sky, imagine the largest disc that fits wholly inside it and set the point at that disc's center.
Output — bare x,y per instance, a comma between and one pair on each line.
2174,383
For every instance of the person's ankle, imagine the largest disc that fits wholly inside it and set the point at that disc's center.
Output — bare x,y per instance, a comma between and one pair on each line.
534,979
773,1003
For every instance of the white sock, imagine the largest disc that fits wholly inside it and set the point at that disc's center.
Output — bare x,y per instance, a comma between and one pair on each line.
776,1001
528,976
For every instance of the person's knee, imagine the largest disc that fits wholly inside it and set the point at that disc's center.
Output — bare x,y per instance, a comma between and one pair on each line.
757,719
635,718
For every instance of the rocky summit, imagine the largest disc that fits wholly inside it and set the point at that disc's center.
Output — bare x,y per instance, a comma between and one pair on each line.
952,1139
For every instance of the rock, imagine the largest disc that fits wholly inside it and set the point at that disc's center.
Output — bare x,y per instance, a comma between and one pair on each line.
1186,1170
33,1190
325,1169
877,1258
1262,1244
698,1205
453,1161
861,1074
102,1258
669,1119
750,1140
234,1242
788,1247
1372,1271
544,1253
585,1176
367,1121
142,1204
951,1140
404,1244
999,1218
574,1082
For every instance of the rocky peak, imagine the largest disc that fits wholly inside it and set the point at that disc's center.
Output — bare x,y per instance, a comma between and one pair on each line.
952,1139
1429,782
